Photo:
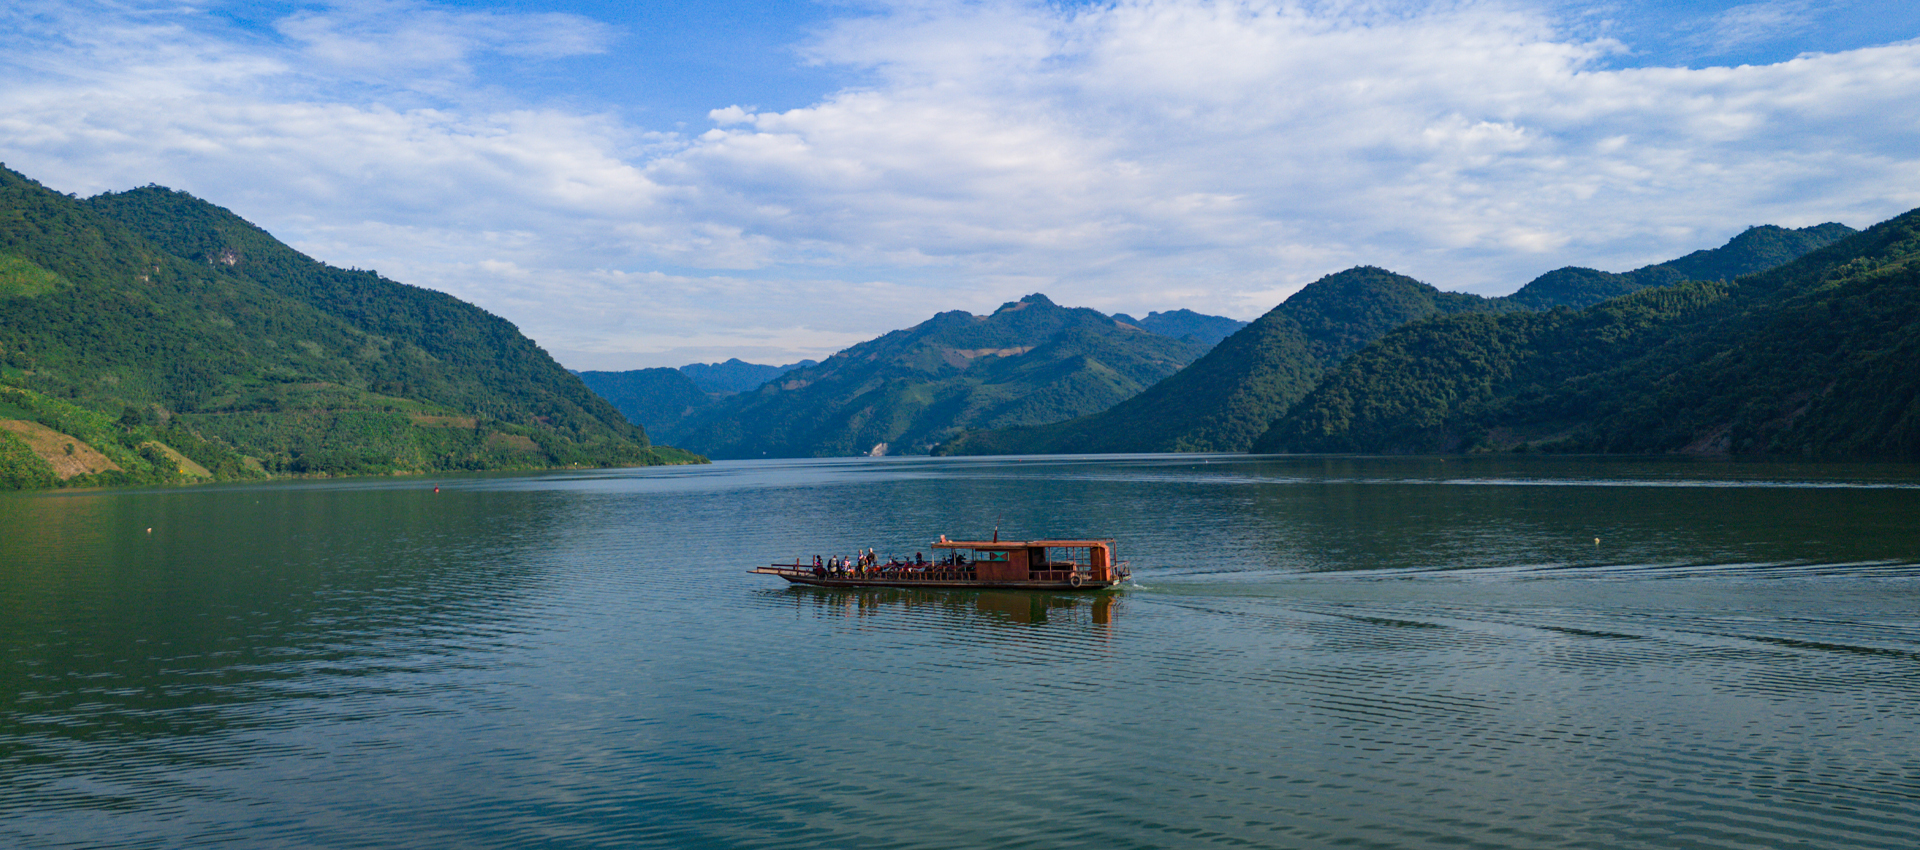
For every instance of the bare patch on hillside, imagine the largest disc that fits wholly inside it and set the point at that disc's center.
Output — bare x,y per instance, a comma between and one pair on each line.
69,456
185,464
960,357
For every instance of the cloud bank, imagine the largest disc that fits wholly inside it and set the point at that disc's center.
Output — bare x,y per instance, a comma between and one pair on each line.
1133,156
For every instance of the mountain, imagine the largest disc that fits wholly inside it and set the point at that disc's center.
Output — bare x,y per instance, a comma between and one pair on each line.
1812,358
1227,399
736,375
1185,324
165,339
664,402
1030,361
659,399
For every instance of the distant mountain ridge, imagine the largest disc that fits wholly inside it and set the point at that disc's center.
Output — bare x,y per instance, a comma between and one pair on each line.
1029,361
664,402
1753,250
1227,399
179,342
736,375
659,398
1183,324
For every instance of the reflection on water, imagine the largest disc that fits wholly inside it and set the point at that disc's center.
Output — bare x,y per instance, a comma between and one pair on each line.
1384,652
961,609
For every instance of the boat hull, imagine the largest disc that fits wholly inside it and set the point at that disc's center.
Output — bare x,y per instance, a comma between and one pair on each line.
806,577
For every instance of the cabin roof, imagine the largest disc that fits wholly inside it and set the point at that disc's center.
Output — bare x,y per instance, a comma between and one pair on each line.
1020,544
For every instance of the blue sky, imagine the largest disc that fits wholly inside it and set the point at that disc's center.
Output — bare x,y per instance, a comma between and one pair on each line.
655,184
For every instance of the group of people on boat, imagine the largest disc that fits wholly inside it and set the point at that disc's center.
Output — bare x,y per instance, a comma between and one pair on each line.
867,565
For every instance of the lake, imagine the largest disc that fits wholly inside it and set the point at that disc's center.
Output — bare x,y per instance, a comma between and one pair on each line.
1511,652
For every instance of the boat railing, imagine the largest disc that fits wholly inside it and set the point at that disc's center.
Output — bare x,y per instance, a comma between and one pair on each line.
910,572
890,572
1059,574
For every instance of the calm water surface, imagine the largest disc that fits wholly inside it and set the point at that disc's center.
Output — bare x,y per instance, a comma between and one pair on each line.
1319,652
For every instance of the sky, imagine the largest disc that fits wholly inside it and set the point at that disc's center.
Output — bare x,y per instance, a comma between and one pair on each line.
640,184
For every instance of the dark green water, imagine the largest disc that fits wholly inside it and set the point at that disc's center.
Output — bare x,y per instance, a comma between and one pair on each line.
1319,652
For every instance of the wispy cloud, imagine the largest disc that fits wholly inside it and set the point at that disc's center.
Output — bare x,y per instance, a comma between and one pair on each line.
385,39
1147,154
1753,24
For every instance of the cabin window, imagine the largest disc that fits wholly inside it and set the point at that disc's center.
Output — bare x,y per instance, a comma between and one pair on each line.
1067,557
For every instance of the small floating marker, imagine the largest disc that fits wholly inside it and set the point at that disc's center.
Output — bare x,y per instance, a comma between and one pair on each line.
1596,541
436,490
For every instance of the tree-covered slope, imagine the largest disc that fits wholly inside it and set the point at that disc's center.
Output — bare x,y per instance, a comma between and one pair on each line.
1030,361
1815,357
1228,397
165,326
473,361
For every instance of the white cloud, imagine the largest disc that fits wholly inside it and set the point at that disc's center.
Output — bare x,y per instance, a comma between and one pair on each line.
1143,155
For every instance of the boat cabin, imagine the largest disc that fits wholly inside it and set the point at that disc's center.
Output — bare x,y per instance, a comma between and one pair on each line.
1034,560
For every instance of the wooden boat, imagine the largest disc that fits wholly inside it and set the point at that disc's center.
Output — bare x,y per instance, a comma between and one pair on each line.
996,563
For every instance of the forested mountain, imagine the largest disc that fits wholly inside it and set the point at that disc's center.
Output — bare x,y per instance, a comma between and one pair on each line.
1184,324
1227,399
1816,357
1030,361
161,338
660,399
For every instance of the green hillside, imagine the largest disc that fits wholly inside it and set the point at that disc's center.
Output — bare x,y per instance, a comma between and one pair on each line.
187,344
1227,399
1030,361
1815,358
